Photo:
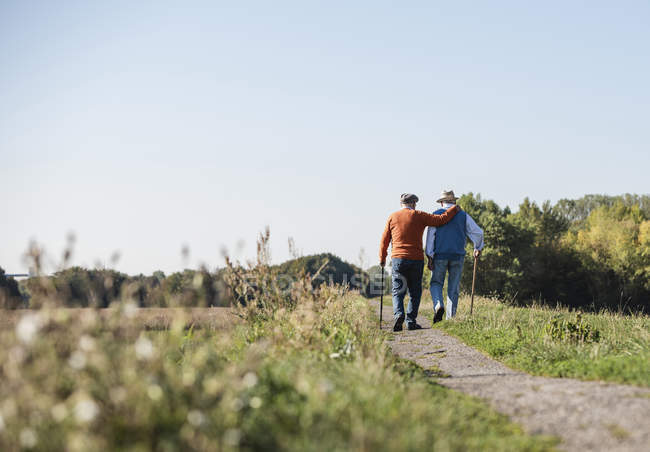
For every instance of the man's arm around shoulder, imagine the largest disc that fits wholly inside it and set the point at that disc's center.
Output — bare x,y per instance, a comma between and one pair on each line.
431,219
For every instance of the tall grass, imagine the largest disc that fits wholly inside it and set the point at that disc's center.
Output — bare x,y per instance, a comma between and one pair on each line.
305,369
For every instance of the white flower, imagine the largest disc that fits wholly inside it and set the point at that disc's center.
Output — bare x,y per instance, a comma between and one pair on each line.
250,379
77,360
143,348
27,438
85,410
27,327
154,392
86,343
195,418
256,402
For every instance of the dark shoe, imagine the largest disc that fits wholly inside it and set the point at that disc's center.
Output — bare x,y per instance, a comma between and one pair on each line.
397,326
438,315
413,326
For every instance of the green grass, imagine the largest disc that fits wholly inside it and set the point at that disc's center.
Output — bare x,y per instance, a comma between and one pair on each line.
314,377
517,337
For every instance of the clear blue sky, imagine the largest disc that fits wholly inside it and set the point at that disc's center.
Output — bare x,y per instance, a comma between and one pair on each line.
144,126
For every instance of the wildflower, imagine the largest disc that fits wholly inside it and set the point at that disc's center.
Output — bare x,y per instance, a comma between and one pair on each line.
85,410
86,343
27,327
195,418
143,348
154,392
77,360
250,379
255,402
27,438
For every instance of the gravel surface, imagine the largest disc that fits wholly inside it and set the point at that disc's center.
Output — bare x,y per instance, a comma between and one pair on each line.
586,415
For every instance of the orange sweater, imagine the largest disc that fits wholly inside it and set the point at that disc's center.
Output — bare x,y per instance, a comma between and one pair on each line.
405,228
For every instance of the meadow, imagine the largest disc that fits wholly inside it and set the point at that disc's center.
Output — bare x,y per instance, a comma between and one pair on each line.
557,342
299,370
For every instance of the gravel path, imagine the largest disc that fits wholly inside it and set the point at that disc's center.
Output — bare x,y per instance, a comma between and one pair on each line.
587,416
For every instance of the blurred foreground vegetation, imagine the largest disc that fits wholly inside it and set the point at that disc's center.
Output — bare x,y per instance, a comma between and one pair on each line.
306,369
81,287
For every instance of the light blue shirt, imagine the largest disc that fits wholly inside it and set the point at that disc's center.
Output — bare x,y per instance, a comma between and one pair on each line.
472,230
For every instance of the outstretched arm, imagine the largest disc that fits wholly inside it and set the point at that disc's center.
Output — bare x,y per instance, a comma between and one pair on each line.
431,219
383,245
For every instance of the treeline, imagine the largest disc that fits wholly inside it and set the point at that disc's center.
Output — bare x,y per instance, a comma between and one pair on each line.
10,296
593,252
81,287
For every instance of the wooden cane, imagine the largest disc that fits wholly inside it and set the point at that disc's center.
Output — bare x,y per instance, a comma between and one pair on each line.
471,306
381,302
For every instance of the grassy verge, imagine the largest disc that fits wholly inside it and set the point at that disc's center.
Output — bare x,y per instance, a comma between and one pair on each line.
556,342
315,376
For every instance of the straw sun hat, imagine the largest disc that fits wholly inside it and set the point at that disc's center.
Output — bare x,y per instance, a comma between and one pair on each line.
447,196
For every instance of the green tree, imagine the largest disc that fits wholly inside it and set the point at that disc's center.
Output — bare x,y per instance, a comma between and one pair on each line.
613,246
10,297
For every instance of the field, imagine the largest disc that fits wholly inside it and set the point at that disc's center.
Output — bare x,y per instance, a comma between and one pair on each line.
556,342
310,372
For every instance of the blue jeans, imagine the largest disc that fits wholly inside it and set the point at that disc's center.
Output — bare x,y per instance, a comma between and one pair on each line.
407,274
440,268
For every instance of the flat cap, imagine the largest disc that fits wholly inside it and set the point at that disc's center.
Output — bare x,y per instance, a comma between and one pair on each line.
408,198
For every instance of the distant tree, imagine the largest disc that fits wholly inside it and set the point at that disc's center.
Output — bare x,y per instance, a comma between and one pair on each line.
334,271
501,272
577,210
374,277
10,296
614,247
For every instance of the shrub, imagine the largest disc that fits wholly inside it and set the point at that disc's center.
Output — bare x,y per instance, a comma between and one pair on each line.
560,329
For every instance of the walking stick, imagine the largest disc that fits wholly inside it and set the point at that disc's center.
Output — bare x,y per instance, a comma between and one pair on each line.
471,306
381,302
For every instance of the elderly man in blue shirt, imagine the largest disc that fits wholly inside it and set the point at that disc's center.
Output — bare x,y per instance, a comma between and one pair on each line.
445,252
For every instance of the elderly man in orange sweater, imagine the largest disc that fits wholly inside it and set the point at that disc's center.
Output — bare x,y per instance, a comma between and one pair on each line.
404,229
